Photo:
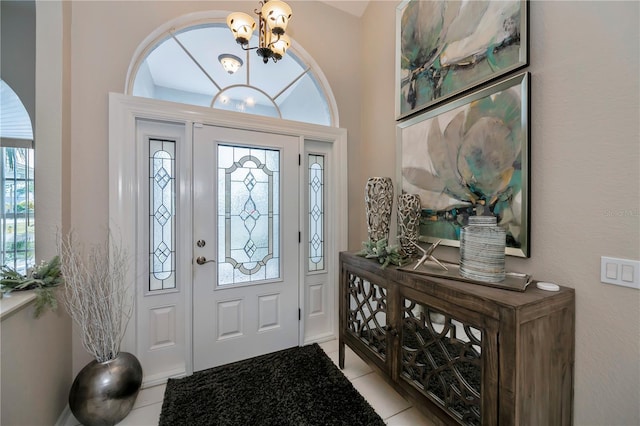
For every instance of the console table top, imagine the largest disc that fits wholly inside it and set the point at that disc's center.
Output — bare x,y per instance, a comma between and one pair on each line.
421,282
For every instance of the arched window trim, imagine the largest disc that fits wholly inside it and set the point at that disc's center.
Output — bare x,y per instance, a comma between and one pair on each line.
193,20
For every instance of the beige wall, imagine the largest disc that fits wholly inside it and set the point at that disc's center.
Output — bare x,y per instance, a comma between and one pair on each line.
585,178
35,367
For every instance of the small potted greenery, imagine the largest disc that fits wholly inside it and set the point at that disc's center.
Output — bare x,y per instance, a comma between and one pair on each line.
42,279
384,253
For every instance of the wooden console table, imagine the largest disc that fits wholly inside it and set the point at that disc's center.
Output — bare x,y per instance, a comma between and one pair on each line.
462,353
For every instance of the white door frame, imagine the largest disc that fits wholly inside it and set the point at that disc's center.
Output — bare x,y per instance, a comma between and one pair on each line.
124,199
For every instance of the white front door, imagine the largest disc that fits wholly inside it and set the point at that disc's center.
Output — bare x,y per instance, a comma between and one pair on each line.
246,243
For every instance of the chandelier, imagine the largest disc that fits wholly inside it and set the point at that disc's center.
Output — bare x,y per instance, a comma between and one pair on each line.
273,18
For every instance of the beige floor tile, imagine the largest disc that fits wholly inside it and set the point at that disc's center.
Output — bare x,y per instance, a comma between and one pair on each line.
354,366
330,346
382,397
409,417
149,396
143,416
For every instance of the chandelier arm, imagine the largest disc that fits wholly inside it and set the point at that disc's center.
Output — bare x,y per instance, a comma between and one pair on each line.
248,48
274,42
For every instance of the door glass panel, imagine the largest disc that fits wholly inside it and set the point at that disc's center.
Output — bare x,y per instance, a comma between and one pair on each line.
162,214
316,212
248,214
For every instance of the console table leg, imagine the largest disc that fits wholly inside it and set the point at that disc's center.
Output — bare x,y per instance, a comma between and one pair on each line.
341,355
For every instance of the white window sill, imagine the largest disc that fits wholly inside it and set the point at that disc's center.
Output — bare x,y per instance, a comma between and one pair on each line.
15,301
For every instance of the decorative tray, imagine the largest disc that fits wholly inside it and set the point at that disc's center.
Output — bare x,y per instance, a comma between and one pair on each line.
513,280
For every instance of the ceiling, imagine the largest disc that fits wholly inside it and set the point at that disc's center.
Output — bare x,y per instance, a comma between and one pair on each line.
354,7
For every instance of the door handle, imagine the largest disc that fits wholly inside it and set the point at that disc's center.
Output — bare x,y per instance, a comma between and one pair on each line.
201,260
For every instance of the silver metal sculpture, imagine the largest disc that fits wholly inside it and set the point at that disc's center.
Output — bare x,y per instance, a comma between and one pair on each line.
428,255
408,222
378,198
103,393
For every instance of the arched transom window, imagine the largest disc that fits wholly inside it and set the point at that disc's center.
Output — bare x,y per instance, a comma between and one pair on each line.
183,65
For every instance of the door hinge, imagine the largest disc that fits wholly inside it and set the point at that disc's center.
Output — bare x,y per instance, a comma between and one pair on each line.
299,314
299,237
299,160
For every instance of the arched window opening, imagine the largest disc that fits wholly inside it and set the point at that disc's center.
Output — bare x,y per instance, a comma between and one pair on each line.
183,66
17,239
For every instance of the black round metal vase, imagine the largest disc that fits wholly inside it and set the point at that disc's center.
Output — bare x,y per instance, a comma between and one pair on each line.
103,393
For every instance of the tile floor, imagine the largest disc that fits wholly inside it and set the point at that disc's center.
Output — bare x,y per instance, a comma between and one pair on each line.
393,408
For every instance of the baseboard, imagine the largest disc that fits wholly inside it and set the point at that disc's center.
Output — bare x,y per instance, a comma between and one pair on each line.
320,338
66,418
161,378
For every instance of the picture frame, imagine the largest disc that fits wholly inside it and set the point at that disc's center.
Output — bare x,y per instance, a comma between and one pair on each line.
471,157
445,48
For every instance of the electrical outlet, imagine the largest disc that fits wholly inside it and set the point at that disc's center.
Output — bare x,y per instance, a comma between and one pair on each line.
622,272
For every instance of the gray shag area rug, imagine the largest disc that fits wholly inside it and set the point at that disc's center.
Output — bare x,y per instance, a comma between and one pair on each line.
300,386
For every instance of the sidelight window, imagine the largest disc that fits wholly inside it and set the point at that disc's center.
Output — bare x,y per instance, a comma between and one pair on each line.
162,217
316,212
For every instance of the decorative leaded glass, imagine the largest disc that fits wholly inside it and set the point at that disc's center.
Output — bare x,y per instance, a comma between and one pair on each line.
316,212
248,214
162,217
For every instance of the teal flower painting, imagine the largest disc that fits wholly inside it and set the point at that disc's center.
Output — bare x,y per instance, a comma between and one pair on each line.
446,47
471,158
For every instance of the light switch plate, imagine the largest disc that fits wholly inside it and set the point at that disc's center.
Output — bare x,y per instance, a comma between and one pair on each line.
622,272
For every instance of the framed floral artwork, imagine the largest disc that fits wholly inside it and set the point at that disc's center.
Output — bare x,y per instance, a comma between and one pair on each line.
444,48
471,157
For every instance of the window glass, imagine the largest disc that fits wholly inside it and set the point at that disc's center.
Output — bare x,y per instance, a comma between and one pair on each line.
184,67
17,195
17,215
13,116
246,99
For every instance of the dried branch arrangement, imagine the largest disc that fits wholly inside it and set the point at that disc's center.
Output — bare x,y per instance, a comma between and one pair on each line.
96,294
